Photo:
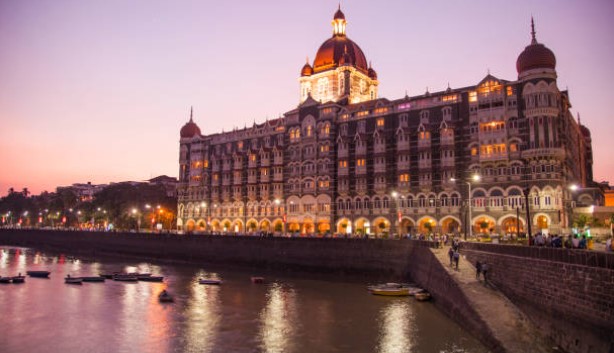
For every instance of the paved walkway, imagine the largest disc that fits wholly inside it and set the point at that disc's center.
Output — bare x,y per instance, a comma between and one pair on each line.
509,326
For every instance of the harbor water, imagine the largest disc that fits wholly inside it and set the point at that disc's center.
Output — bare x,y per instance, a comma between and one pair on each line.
290,312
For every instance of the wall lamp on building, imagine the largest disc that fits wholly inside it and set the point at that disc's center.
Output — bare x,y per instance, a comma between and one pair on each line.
395,195
475,178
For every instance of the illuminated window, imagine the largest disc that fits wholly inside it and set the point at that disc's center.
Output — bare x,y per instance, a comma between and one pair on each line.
252,157
404,106
343,164
360,162
474,151
473,96
380,122
404,177
206,163
510,91
216,177
450,98
513,147
424,135
309,128
324,148
240,144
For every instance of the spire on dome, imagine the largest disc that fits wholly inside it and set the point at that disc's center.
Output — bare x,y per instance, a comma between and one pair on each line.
533,39
191,111
339,23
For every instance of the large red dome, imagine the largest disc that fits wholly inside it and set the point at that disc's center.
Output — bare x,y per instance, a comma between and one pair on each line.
190,129
333,50
535,56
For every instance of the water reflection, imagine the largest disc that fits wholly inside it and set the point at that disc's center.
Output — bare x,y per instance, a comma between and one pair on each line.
203,310
396,332
278,319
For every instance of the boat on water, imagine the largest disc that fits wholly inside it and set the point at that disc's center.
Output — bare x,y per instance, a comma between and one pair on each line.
165,297
94,279
73,280
6,279
423,296
40,274
393,289
19,278
124,277
258,280
210,281
150,278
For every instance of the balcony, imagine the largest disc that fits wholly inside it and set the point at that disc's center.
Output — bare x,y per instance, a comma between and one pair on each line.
544,152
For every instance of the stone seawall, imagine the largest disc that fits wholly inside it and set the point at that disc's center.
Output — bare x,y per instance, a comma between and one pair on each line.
569,294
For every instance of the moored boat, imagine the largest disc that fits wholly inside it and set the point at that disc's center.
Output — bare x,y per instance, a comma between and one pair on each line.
19,278
94,279
256,279
6,279
73,280
40,274
393,289
150,278
165,297
423,296
210,281
124,277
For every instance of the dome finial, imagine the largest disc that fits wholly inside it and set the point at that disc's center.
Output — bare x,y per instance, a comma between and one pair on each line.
533,39
339,23
191,112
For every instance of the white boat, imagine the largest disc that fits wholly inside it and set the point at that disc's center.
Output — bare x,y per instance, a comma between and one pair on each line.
393,289
210,281
423,296
73,280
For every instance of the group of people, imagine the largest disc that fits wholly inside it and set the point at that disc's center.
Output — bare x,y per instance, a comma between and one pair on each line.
574,241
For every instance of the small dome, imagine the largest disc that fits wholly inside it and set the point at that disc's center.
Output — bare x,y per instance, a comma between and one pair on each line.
339,14
307,70
535,56
372,74
190,129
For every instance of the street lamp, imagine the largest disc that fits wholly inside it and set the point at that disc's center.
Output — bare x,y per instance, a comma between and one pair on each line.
395,196
475,178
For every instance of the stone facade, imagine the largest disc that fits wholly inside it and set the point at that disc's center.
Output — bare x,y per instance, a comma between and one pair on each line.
345,164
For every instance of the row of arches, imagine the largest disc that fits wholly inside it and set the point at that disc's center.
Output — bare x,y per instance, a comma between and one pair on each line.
379,226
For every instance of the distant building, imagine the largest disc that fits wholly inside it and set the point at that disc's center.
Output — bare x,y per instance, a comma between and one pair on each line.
346,161
169,184
84,192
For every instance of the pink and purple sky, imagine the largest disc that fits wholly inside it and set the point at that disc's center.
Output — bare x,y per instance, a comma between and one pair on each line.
98,90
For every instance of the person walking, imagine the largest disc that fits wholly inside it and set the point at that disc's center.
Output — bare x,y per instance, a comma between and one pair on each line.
456,258
451,256
478,269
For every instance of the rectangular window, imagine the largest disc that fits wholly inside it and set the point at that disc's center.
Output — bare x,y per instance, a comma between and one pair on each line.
380,122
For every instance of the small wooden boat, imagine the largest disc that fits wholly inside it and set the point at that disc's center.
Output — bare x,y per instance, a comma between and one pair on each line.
19,278
108,275
258,280
94,279
393,289
423,296
150,278
165,297
210,281
6,279
40,274
73,280
124,277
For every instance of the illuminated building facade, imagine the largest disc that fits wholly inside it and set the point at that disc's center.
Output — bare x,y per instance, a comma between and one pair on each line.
345,161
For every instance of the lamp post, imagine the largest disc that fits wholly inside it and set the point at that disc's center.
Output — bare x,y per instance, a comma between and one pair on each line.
475,178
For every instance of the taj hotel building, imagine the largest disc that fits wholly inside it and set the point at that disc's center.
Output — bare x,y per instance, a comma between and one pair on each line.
345,161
